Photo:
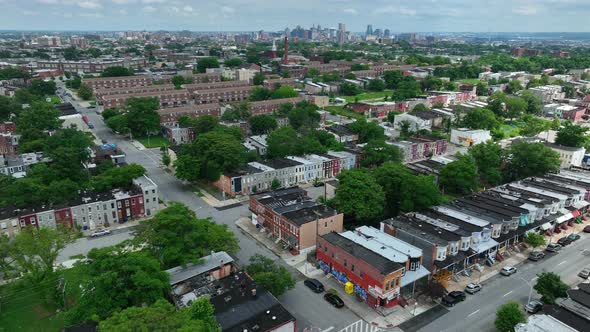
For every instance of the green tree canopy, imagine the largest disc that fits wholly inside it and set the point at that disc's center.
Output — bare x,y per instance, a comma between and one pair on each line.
84,92
117,72
200,125
533,125
205,63
42,88
407,88
175,236
259,93
488,158
535,239
376,85
350,89
117,177
262,124
392,78
270,275
281,142
360,196
459,177
233,62
367,130
508,315
572,135
258,78
530,159
480,118
142,116
283,92
304,116
550,286
377,152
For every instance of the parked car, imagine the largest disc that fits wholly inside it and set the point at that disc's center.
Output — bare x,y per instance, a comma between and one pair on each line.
314,284
453,298
564,241
91,126
587,229
573,237
536,255
472,288
508,270
100,233
334,300
553,247
585,273
533,307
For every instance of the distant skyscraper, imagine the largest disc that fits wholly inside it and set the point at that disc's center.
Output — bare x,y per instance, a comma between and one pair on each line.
369,30
386,33
378,33
341,33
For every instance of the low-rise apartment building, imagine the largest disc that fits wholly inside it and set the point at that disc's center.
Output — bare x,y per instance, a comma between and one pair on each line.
94,66
273,84
421,147
178,135
170,116
293,218
7,127
548,93
214,85
222,95
270,106
9,144
568,156
172,98
97,83
469,137
100,93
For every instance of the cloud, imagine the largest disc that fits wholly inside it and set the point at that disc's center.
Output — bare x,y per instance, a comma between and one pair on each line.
91,15
148,9
187,8
227,10
30,13
89,4
122,11
350,11
395,10
123,2
526,10
48,2
153,1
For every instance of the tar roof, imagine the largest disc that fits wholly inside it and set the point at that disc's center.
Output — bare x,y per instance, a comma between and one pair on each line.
208,263
382,264
423,229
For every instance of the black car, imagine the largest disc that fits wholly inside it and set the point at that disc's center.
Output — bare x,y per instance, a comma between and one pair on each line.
564,241
573,237
587,229
334,300
453,298
314,284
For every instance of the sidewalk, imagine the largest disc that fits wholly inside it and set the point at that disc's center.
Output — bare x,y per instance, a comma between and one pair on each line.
216,203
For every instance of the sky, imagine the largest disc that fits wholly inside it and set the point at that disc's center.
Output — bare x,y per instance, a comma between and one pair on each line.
273,15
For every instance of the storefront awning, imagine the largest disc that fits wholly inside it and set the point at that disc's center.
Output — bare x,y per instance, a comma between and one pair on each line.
575,213
564,218
581,204
412,276
546,226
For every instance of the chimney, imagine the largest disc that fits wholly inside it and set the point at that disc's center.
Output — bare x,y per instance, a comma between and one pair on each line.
286,55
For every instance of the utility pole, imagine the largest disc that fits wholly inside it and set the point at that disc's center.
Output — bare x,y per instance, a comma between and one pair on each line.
531,291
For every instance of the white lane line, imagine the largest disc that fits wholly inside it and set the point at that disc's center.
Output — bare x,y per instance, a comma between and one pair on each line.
561,263
507,294
473,313
328,329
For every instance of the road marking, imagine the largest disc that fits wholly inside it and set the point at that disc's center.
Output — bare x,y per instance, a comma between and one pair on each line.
328,329
473,313
507,294
561,263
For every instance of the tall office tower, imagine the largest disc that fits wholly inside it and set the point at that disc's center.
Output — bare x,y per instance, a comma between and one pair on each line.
386,33
341,33
369,30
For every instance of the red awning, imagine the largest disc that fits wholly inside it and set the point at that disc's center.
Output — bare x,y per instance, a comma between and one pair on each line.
575,213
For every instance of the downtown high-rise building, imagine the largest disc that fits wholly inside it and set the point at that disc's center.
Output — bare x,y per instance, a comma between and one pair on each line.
341,33
369,30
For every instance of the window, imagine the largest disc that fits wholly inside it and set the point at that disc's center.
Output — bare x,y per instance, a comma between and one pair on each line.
352,267
133,201
153,191
345,263
112,205
332,255
89,209
22,223
4,226
154,199
403,271
119,204
32,220
126,203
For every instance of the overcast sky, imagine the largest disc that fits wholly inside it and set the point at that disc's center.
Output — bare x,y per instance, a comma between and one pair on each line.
271,15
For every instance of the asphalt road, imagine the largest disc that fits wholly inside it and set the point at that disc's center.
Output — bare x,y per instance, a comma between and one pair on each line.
309,309
478,312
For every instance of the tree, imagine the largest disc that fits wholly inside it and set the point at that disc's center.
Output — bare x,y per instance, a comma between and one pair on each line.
392,78
480,118
550,286
160,316
8,106
258,78
514,86
281,142
530,159
284,92
175,236
117,71
32,123
276,184
200,125
460,176
71,54
488,158
515,107
376,85
407,88
350,89
481,89
271,276
432,83
178,81
259,93
533,125
360,196
115,279
534,103
166,160
262,124
117,177
42,88
205,63
84,92
68,150
496,103
233,62
202,310
405,192
535,239
450,86
304,116
508,315
572,135
377,152
367,130
35,250
142,118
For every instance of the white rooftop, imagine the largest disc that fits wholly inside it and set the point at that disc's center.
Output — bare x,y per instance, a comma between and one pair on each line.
260,166
461,216
539,191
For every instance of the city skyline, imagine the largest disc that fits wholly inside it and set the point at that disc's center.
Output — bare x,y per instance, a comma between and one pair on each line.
242,15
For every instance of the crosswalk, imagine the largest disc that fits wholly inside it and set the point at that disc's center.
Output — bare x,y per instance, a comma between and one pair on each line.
360,326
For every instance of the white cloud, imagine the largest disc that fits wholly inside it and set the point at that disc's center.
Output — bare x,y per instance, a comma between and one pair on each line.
48,2
227,10
396,10
526,10
123,2
153,1
91,15
122,11
89,4
30,13
148,9
350,11
187,8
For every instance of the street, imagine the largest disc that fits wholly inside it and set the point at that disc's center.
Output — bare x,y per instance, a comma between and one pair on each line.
478,312
309,310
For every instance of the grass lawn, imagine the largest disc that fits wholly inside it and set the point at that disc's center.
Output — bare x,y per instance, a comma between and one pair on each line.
23,309
509,130
469,80
153,141
340,110
368,95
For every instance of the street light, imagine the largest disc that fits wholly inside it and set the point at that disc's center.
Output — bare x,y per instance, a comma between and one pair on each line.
531,291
